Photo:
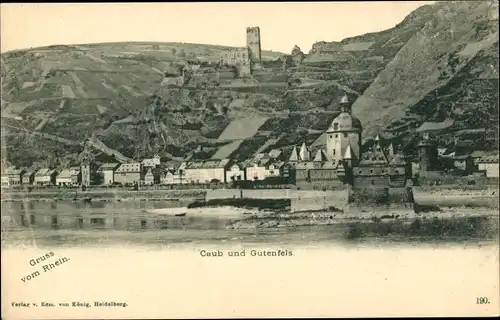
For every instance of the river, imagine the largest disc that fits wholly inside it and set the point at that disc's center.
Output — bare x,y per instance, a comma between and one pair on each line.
71,223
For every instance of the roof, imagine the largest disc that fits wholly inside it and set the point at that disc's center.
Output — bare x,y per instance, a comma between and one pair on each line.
320,156
304,152
344,99
171,165
349,154
109,166
275,153
345,122
308,165
278,164
294,156
435,126
15,171
330,165
374,156
259,162
129,167
208,164
398,159
67,173
43,172
479,154
488,159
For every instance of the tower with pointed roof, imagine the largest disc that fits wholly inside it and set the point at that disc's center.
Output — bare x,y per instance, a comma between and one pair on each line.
345,131
304,152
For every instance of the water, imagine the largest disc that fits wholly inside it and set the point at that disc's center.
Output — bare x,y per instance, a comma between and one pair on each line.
72,223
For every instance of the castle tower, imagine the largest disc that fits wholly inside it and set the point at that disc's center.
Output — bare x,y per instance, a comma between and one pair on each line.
294,156
85,170
345,131
86,159
348,157
427,155
253,44
304,153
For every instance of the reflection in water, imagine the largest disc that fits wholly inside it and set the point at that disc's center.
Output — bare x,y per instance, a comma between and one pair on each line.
66,222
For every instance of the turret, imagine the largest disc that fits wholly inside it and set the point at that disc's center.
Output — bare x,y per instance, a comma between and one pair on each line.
344,131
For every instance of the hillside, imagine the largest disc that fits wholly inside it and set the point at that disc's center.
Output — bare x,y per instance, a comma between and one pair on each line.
129,99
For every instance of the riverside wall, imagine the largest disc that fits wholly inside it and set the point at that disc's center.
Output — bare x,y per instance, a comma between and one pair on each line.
301,200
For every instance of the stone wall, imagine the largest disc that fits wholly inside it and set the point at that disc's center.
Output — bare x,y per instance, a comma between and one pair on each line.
448,179
375,195
320,201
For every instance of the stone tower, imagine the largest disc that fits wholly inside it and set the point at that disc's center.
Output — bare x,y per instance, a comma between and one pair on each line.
86,160
253,44
344,134
427,154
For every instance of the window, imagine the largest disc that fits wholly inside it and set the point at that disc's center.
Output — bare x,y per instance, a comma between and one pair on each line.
336,135
345,134
331,136
335,126
333,151
371,171
372,182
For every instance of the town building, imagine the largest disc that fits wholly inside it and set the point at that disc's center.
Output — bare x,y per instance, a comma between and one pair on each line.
129,173
15,176
28,177
489,165
153,176
235,173
4,179
45,177
257,168
107,172
172,173
208,171
69,177
152,162
275,169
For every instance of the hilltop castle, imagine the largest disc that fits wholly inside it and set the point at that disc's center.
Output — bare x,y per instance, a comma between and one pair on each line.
245,58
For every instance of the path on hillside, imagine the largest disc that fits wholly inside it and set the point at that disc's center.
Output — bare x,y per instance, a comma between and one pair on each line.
98,144
268,143
45,135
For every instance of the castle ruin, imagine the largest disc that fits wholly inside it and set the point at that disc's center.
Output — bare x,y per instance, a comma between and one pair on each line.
245,58
253,44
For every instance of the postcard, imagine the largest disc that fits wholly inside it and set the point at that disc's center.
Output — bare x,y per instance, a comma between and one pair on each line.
249,160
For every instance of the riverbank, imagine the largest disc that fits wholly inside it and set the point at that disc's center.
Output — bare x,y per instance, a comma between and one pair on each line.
459,222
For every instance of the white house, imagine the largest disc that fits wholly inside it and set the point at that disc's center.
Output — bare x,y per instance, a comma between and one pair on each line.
489,164
235,173
206,171
69,176
45,177
275,169
257,169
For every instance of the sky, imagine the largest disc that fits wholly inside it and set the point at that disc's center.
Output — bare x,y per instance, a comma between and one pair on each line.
282,25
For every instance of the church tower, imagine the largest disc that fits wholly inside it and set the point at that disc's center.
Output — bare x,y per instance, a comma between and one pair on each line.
344,132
